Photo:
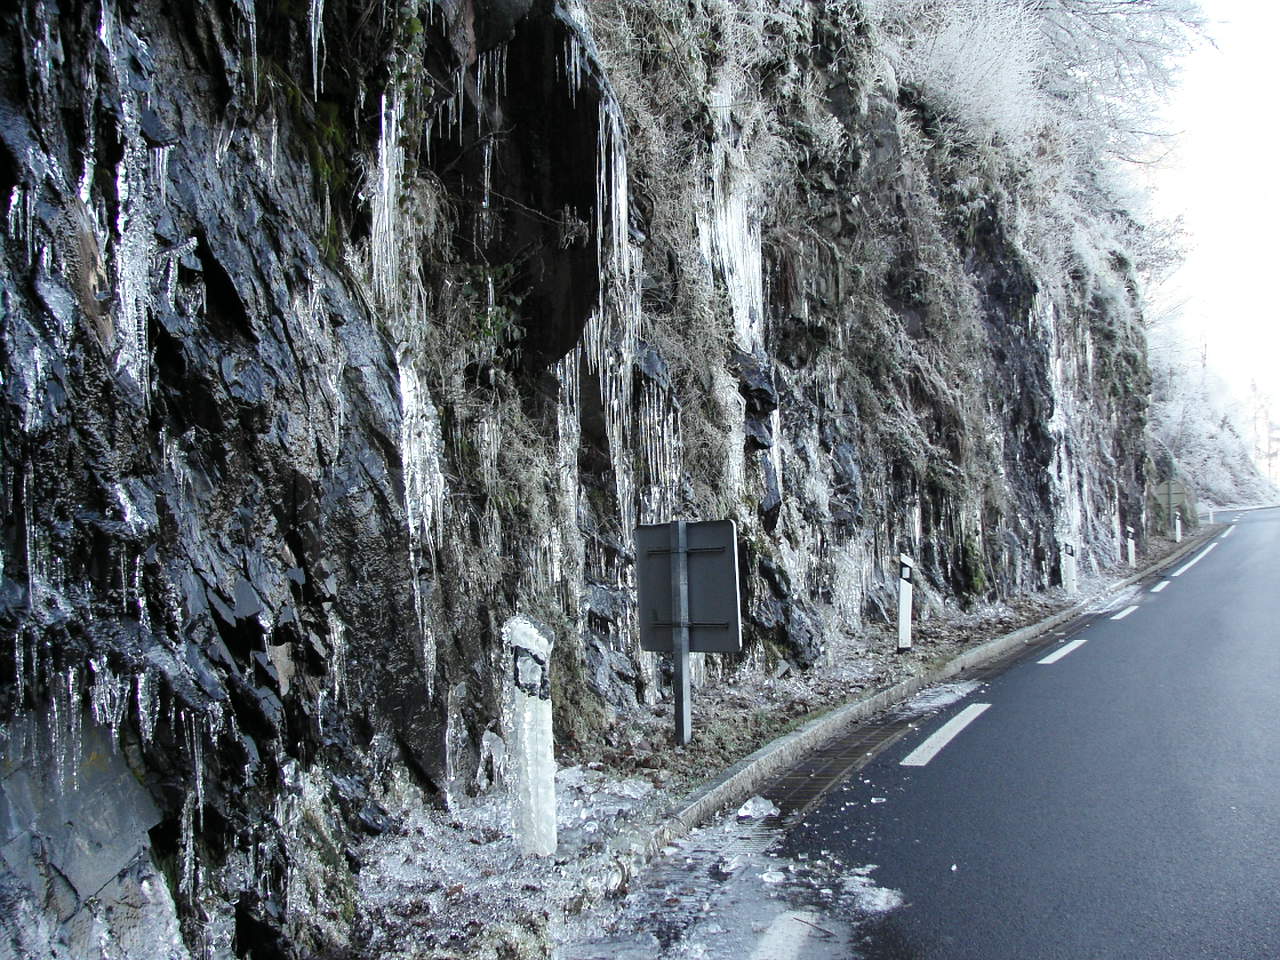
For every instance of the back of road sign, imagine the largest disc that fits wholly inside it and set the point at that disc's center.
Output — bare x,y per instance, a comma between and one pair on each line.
715,624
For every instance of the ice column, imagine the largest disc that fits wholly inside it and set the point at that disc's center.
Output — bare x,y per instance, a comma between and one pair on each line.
531,762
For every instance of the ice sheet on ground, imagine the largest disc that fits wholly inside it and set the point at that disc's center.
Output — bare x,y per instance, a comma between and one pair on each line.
867,896
936,698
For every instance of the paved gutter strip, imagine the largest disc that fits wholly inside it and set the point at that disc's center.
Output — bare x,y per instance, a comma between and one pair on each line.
633,847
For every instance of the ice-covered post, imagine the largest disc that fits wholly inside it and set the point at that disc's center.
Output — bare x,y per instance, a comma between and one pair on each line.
680,630
905,567
1128,539
1069,582
1177,526
531,759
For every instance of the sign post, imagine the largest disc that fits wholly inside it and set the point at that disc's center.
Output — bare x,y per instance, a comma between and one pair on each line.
906,567
680,630
687,594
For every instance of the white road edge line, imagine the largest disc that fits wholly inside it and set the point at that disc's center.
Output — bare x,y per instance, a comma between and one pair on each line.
1194,560
1062,651
1160,586
1228,532
943,735
1125,612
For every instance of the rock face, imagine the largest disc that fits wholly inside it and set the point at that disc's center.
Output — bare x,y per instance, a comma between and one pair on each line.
336,334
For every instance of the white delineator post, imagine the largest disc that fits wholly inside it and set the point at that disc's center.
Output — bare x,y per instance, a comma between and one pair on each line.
1069,581
905,568
531,758
1177,526
1133,561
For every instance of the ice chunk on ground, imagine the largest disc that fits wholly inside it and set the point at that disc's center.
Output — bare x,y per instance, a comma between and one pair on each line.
757,808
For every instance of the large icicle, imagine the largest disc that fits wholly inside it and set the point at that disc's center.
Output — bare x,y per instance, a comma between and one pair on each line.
396,287
730,230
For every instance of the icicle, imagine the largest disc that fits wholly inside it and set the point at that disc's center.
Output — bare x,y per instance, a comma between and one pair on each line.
136,249
222,143
74,720
21,216
486,216
188,883
315,23
661,450
108,699
195,751
140,597
148,702
730,232
20,666
385,252
337,654
160,170
251,13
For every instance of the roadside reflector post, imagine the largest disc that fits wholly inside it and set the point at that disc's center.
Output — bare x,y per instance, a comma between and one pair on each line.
1069,582
906,567
687,597
1133,561
531,759
1177,526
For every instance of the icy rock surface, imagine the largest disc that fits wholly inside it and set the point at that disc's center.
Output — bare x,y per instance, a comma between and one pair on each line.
311,385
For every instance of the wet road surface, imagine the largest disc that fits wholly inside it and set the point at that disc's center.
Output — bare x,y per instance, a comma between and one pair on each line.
1113,793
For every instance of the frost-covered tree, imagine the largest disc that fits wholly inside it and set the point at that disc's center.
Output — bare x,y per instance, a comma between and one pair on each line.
1008,70
1111,63
1198,425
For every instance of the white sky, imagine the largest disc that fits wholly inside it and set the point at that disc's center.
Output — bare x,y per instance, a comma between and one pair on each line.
1223,180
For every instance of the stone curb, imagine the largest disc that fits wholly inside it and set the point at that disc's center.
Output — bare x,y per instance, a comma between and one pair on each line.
632,848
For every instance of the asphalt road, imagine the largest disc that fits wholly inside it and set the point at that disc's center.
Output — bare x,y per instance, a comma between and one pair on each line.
1122,801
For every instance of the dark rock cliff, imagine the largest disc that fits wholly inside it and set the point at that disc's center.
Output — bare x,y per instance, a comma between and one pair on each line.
335,333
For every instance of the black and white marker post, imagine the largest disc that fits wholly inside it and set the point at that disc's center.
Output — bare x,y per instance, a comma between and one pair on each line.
1069,582
905,568
1177,525
1133,560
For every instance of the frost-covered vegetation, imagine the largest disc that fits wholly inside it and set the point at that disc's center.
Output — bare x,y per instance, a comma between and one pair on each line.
1201,431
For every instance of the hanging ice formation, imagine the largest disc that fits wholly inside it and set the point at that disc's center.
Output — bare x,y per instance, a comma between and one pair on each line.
729,234
397,286
136,249
315,26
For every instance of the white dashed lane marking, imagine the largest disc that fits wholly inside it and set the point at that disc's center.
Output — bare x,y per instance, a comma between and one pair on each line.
1194,560
944,735
1061,652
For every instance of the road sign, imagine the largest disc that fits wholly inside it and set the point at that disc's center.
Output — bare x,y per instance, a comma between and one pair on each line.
715,623
687,595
